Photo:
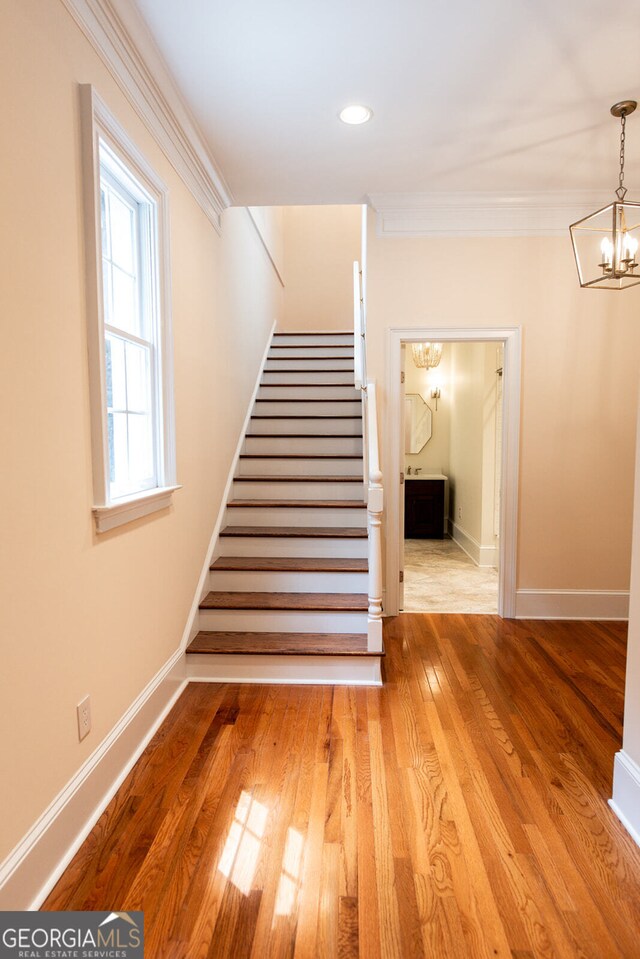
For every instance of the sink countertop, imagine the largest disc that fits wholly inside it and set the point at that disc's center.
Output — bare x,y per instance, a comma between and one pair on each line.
424,476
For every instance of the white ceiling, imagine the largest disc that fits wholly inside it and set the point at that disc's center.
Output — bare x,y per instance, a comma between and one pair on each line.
474,95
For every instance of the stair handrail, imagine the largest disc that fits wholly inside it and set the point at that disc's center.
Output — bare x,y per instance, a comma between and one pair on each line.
359,352
372,473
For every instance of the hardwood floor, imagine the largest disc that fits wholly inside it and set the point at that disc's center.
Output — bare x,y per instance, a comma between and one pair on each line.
459,811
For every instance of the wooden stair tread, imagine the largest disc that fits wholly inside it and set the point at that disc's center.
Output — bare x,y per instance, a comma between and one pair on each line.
282,644
301,503
304,436
301,456
294,359
305,416
308,532
311,333
296,386
270,399
291,564
312,602
326,369
262,478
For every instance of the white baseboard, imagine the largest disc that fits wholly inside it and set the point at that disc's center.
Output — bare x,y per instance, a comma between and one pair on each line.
32,869
626,793
571,604
285,670
481,555
191,627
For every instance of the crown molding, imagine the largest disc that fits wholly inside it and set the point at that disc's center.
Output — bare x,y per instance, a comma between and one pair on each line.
123,42
482,214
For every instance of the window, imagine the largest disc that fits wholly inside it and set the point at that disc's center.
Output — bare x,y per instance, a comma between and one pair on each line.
129,342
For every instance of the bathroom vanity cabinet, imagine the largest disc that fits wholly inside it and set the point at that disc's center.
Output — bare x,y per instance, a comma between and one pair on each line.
424,507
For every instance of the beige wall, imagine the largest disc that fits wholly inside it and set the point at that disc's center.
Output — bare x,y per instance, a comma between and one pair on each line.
86,614
269,222
579,386
320,245
631,725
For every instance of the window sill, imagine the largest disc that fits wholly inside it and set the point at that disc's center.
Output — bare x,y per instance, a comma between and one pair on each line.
132,507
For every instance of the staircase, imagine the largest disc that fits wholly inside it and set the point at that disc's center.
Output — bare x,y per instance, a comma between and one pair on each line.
288,588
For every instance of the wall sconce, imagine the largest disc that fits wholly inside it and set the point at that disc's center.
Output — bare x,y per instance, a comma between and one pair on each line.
435,395
606,242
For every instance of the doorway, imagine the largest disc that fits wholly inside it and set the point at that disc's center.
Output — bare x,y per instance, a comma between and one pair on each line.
452,427
459,499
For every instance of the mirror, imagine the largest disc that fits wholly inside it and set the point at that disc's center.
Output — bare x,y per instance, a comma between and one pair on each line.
417,423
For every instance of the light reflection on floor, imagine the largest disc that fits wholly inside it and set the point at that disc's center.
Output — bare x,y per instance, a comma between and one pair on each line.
239,859
289,884
240,856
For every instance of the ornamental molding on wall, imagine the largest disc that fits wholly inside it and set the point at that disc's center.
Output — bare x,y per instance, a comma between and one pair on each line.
482,214
131,56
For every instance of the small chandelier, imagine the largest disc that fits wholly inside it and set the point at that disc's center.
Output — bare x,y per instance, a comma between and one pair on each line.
427,355
605,244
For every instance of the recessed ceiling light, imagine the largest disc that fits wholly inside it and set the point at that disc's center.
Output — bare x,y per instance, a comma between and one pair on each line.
356,113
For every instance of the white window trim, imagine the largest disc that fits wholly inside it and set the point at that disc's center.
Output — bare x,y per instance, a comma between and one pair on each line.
98,123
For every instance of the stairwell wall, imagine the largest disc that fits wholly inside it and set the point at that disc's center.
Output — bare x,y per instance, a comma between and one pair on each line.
320,246
84,613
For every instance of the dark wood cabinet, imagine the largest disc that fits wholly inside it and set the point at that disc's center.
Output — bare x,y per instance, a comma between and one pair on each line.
424,508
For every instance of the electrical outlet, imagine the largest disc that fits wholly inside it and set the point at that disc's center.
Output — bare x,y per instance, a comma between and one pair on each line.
84,717
459,512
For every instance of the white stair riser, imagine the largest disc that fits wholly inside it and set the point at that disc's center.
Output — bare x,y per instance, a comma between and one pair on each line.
342,445
349,466
307,363
305,392
311,352
335,339
298,546
294,516
275,490
313,427
298,670
251,581
307,377
296,408
285,621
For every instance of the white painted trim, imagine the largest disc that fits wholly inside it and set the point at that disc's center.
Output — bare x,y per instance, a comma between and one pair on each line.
285,670
263,240
132,507
394,454
191,627
482,214
489,557
125,45
98,123
625,801
482,556
572,604
32,869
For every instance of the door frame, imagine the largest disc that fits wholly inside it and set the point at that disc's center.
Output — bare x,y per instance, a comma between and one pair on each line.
394,465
